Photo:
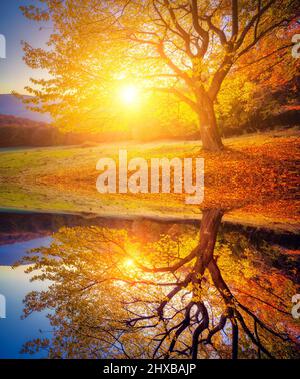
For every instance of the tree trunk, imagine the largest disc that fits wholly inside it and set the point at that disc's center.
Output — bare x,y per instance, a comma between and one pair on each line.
211,220
210,136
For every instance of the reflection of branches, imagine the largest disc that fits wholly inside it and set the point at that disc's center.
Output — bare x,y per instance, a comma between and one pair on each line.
263,301
183,307
196,317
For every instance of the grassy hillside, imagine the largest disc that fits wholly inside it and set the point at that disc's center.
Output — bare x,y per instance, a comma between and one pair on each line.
253,180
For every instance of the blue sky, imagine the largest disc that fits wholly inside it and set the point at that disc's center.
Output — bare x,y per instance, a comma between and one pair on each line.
14,285
14,74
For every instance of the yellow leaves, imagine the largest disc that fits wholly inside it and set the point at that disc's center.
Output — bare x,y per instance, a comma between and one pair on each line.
104,288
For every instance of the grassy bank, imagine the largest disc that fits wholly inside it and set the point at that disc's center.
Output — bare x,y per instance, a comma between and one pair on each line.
254,180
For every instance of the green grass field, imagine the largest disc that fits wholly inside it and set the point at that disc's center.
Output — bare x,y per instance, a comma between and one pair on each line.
63,179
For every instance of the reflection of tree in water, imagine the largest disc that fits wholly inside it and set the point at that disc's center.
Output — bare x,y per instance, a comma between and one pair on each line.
112,296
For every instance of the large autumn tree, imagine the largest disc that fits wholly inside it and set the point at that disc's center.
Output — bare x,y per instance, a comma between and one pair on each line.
184,48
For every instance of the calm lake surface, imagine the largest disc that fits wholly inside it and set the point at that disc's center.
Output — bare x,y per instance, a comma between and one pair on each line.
21,232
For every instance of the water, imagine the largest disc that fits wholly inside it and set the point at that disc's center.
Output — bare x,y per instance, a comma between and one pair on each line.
14,332
21,232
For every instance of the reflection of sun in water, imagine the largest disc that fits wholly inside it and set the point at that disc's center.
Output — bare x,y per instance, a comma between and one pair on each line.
129,263
129,94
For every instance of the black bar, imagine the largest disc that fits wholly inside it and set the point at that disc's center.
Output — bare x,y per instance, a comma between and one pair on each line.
135,368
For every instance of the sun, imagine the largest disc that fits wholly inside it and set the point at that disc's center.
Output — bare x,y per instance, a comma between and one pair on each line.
129,94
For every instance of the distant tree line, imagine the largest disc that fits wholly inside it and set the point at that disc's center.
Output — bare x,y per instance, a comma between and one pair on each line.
18,132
